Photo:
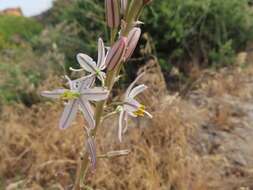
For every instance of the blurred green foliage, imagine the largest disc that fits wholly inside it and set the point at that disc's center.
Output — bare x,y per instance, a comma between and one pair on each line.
18,76
19,27
211,30
74,26
22,71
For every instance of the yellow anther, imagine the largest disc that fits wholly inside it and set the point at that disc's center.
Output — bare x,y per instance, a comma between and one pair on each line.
69,95
140,112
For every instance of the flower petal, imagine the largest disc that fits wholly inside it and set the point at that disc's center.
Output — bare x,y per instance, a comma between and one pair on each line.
87,63
87,112
122,124
137,90
129,89
92,151
125,123
70,82
131,105
95,94
54,93
101,54
84,82
69,114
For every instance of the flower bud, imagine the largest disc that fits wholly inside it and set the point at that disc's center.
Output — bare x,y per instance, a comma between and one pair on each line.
123,6
132,41
145,2
112,13
116,53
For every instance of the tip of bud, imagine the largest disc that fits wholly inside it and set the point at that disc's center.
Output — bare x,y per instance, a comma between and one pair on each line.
137,29
116,53
123,39
146,2
78,55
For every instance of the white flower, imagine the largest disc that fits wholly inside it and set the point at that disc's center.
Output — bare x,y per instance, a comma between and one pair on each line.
131,106
89,65
78,96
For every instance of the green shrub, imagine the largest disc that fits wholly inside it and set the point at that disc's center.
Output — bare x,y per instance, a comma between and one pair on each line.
209,31
183,29
22,71
11,26
18,79
21,68
74,26
224,53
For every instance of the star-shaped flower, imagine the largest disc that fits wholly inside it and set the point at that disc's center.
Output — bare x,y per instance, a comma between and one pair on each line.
78,96
89,65
131,106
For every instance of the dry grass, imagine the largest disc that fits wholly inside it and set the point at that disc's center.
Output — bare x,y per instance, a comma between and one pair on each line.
35,154
35,151
227,98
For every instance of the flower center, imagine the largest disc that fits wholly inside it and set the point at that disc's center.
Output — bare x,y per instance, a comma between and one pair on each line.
140,112
70,95
98,72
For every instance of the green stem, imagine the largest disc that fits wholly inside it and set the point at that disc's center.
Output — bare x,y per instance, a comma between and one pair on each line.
113,35
84,162
100,106
81,169
109,83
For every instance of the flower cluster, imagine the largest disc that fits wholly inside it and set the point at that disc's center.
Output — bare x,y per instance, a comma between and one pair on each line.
122,19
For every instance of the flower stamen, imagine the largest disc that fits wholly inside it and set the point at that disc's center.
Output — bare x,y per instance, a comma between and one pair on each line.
97,72
140,112
69,95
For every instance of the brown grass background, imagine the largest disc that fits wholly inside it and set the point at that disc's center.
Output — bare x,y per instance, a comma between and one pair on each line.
166,152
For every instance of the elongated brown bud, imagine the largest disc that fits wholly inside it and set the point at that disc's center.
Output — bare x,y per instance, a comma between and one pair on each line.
132,41
123,6
116,53
145,2
112,13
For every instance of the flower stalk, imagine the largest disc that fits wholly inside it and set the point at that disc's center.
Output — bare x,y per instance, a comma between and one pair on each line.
84,162
82,93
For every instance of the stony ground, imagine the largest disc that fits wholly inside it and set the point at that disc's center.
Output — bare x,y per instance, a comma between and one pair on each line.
225,136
